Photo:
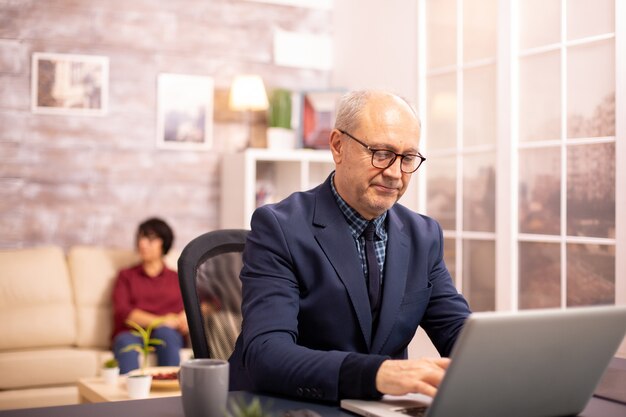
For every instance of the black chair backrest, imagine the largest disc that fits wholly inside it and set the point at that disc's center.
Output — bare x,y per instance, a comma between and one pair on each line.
208,272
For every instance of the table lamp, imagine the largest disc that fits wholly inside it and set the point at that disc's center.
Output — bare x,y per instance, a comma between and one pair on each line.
247,93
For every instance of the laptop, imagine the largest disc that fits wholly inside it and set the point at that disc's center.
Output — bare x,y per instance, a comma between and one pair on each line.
528,364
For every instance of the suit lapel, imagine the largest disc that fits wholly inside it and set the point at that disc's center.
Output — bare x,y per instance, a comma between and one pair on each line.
394,280
333,235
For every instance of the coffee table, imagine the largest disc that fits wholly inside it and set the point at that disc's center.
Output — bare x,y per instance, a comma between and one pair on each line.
95,390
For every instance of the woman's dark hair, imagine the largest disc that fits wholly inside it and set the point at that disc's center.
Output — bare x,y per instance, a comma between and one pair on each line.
159,228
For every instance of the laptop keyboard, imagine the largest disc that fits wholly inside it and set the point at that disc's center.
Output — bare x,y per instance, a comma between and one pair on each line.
418,411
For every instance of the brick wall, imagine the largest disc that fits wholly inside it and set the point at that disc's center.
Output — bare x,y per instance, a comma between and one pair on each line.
70,180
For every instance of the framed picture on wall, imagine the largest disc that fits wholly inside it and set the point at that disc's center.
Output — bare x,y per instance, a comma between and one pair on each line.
317,117
69,84
185,112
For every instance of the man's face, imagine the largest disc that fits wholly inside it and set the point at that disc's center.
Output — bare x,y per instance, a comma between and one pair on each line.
388,123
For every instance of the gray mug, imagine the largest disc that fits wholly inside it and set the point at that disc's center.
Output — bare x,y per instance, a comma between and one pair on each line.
204,387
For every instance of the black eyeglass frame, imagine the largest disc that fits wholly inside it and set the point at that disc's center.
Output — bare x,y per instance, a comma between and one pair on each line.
395,155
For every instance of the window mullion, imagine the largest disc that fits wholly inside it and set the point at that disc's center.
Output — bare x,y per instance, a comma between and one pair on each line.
563,227
459,145
506,161
620,154
620,159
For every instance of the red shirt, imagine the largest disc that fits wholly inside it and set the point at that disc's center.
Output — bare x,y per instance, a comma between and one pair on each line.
133,288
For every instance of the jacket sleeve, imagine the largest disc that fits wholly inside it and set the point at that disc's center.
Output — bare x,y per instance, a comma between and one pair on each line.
447,308
271,296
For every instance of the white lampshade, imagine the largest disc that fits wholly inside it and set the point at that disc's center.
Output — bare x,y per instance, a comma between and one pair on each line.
247,92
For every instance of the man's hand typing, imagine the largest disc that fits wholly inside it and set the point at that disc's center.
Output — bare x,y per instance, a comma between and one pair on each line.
423,376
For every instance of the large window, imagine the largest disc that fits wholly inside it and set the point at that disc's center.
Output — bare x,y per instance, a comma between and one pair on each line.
566,151
460,73
523,132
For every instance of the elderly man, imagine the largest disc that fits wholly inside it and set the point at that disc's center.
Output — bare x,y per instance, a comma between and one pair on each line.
337,279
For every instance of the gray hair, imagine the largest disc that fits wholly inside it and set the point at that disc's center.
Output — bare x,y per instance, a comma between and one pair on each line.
350,108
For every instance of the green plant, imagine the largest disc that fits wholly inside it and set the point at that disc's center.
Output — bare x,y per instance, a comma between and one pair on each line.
280,109
111,363
254,408
147,341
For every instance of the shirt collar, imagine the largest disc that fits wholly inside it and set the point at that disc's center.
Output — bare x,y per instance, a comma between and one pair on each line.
145,274
356,222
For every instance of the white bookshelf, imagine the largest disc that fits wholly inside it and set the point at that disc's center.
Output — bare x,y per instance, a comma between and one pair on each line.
261,176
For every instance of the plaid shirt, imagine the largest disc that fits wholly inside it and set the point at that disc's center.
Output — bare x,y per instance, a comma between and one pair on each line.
357,225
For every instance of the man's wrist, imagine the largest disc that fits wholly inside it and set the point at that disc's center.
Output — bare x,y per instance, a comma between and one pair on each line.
357,376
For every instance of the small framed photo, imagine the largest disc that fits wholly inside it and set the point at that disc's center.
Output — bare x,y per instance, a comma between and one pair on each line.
69,84
185,112
317,117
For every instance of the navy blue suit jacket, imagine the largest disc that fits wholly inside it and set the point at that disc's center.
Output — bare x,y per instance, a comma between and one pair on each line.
305,303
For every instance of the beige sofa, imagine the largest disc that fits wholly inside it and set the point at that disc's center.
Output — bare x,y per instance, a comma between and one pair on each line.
55,320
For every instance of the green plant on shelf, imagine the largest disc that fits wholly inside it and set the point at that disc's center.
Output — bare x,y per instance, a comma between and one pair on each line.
279,114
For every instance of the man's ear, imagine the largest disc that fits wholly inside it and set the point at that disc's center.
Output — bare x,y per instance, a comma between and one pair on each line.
336,145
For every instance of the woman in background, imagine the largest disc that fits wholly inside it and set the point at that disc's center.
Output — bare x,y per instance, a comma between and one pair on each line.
146,292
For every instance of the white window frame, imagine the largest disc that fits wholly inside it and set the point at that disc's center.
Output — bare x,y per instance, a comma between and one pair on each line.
507,236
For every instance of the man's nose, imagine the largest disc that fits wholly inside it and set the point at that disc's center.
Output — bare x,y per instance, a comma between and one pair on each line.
394,169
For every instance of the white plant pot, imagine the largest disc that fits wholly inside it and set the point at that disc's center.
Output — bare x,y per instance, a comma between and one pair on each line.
110,375
138,386
281,138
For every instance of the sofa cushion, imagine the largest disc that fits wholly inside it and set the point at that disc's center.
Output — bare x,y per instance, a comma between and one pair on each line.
35,299
93,271
46,367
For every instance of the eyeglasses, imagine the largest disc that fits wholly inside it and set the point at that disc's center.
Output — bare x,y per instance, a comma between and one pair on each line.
384,158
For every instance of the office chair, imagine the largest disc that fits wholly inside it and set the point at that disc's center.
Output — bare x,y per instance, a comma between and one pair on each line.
208,272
